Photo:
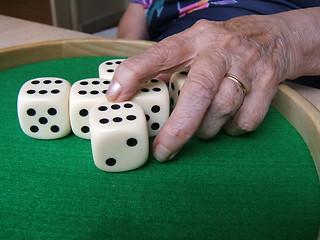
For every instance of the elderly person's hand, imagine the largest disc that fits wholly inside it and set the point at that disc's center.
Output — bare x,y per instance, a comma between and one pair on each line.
235,68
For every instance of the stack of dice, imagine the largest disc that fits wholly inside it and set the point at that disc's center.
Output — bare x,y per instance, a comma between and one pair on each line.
49,108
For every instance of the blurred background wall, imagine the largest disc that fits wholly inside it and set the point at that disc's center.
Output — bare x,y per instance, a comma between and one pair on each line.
88,16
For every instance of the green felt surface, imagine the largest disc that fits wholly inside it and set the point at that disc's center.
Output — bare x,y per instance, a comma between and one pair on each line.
262,185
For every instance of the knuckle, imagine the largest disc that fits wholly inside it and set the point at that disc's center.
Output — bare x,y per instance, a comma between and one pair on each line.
244,124
248,124
271,75
253,54
233,41
225,106
202,24
164,49
201,86
179,131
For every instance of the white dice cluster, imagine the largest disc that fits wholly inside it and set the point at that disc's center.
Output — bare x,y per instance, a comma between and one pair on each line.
50,108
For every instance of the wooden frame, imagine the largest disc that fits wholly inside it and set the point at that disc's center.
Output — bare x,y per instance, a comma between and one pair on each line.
58,49
302,115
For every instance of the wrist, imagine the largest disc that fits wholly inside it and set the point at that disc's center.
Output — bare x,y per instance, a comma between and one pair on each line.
300,30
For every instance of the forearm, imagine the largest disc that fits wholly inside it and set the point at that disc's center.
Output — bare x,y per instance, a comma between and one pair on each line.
291,39
133,24
303,35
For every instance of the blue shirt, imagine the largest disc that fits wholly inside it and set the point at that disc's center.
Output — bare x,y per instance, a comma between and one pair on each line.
166,17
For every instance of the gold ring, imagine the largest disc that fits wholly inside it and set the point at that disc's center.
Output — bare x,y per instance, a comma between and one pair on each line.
237,81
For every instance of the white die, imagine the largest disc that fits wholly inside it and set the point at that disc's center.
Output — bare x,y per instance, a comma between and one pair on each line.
119,136
176,82
84,94
153,97
43,108
107,68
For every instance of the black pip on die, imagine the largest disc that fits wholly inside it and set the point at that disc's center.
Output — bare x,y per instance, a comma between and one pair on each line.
84,94
119,136
153,97
107,68
43,108
175,85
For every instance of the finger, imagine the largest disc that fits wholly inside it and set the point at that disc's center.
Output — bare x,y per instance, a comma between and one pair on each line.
170,55
225,104
253,110
196,96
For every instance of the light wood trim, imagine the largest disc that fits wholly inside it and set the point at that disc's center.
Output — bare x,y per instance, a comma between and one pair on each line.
303,116
27,54
310,93
57,49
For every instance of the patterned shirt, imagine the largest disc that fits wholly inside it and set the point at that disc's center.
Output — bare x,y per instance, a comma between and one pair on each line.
166,17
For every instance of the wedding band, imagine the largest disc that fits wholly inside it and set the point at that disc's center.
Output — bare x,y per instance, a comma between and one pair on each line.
237,81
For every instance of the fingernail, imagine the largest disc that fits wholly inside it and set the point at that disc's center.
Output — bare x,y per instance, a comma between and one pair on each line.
113,90
161,153
173,155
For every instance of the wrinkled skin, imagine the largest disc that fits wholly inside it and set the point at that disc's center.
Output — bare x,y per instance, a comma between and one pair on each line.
261,51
